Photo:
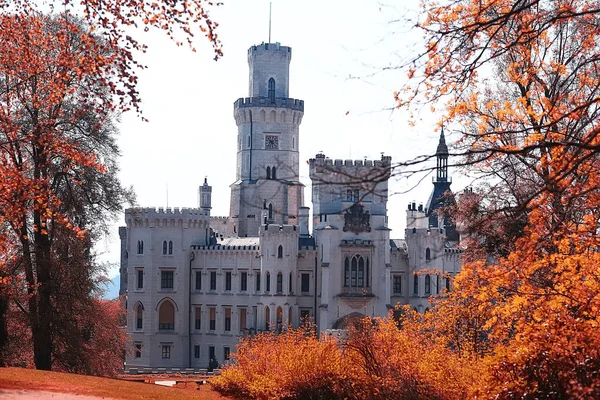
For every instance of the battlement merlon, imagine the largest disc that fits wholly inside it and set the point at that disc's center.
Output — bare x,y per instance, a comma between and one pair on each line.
276,229
359,169
160,212
280,102
277,48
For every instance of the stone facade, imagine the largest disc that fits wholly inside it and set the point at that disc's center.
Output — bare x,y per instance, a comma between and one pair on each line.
196,283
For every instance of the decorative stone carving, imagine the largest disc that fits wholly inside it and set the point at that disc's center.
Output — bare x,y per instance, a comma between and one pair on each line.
357,220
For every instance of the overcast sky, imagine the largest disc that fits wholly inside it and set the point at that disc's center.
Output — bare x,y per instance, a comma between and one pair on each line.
341,54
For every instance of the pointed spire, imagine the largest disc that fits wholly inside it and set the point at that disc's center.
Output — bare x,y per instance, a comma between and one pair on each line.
205,181
442,148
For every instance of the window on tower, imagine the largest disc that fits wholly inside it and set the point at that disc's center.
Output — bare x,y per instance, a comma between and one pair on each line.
271,92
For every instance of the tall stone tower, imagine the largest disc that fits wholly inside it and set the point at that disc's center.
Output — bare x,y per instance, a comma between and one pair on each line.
268,122
204,197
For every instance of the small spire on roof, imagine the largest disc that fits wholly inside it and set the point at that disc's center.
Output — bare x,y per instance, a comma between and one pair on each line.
442,148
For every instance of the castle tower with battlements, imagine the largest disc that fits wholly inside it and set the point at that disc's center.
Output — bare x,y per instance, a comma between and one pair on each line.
268,121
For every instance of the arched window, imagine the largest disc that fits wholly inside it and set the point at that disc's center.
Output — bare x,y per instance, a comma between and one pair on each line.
139,316
427,254
140,247
279,282
271,93
427,284
270,211
267,317
448,284
279,318
356,271
291,287
268,283
280,251
416,285
290,317
268,172
437,284
170,247
274,173
166,316
164,247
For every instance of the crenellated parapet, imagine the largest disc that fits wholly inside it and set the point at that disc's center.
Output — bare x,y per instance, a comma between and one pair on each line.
280,102
350,171
274,230
167,217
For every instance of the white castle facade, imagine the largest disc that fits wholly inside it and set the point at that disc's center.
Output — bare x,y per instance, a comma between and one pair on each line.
196,283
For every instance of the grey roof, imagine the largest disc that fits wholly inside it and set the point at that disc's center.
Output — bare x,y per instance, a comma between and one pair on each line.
306,242
245,241
398,244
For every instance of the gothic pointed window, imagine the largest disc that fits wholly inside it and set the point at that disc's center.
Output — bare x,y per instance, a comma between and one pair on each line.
164,247
166,316
170,247
361,272
427,254
427,284
271,90
274,173
290,288
268,172
140,249
280,251
268,283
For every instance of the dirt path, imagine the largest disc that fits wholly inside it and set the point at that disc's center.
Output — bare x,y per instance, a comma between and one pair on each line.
9,394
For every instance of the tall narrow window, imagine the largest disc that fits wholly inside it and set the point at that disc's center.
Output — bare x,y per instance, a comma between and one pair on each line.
280,251
274,173
139,317
227,319
448,284
267,317
353,271
291,287
243,314
213,280
196,351
140,278
427,284
197,318
170,247
268,172
268,284
211,353
271,92
305,285
164,247
244,281
228,280
270,211
258,281
138,350
361,272
226,352
212,312
427,254
279,282
416,285
166,351
198,280
279,318
166,316
346,272
437,284
140,248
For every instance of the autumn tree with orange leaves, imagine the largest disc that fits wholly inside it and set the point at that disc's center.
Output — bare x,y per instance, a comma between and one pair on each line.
519,83
63,80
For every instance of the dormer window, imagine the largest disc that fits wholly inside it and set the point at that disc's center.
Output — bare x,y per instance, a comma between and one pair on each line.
271,93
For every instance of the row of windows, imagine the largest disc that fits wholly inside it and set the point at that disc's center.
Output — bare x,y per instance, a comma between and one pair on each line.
167,247
304,285
166,351
166,317
167,281
397,284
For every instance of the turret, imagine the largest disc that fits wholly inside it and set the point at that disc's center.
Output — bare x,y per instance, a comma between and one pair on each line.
204,196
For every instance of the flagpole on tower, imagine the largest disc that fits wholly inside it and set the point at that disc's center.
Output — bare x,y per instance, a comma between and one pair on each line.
270,6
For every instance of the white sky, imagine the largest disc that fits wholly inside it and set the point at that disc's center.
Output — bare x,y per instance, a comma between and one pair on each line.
188,99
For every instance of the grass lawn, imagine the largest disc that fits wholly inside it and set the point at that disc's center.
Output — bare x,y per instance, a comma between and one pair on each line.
31,379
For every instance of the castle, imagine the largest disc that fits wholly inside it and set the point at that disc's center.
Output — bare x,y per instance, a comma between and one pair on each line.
196,283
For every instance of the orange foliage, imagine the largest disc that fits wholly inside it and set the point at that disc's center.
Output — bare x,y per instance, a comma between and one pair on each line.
521,84
375,361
